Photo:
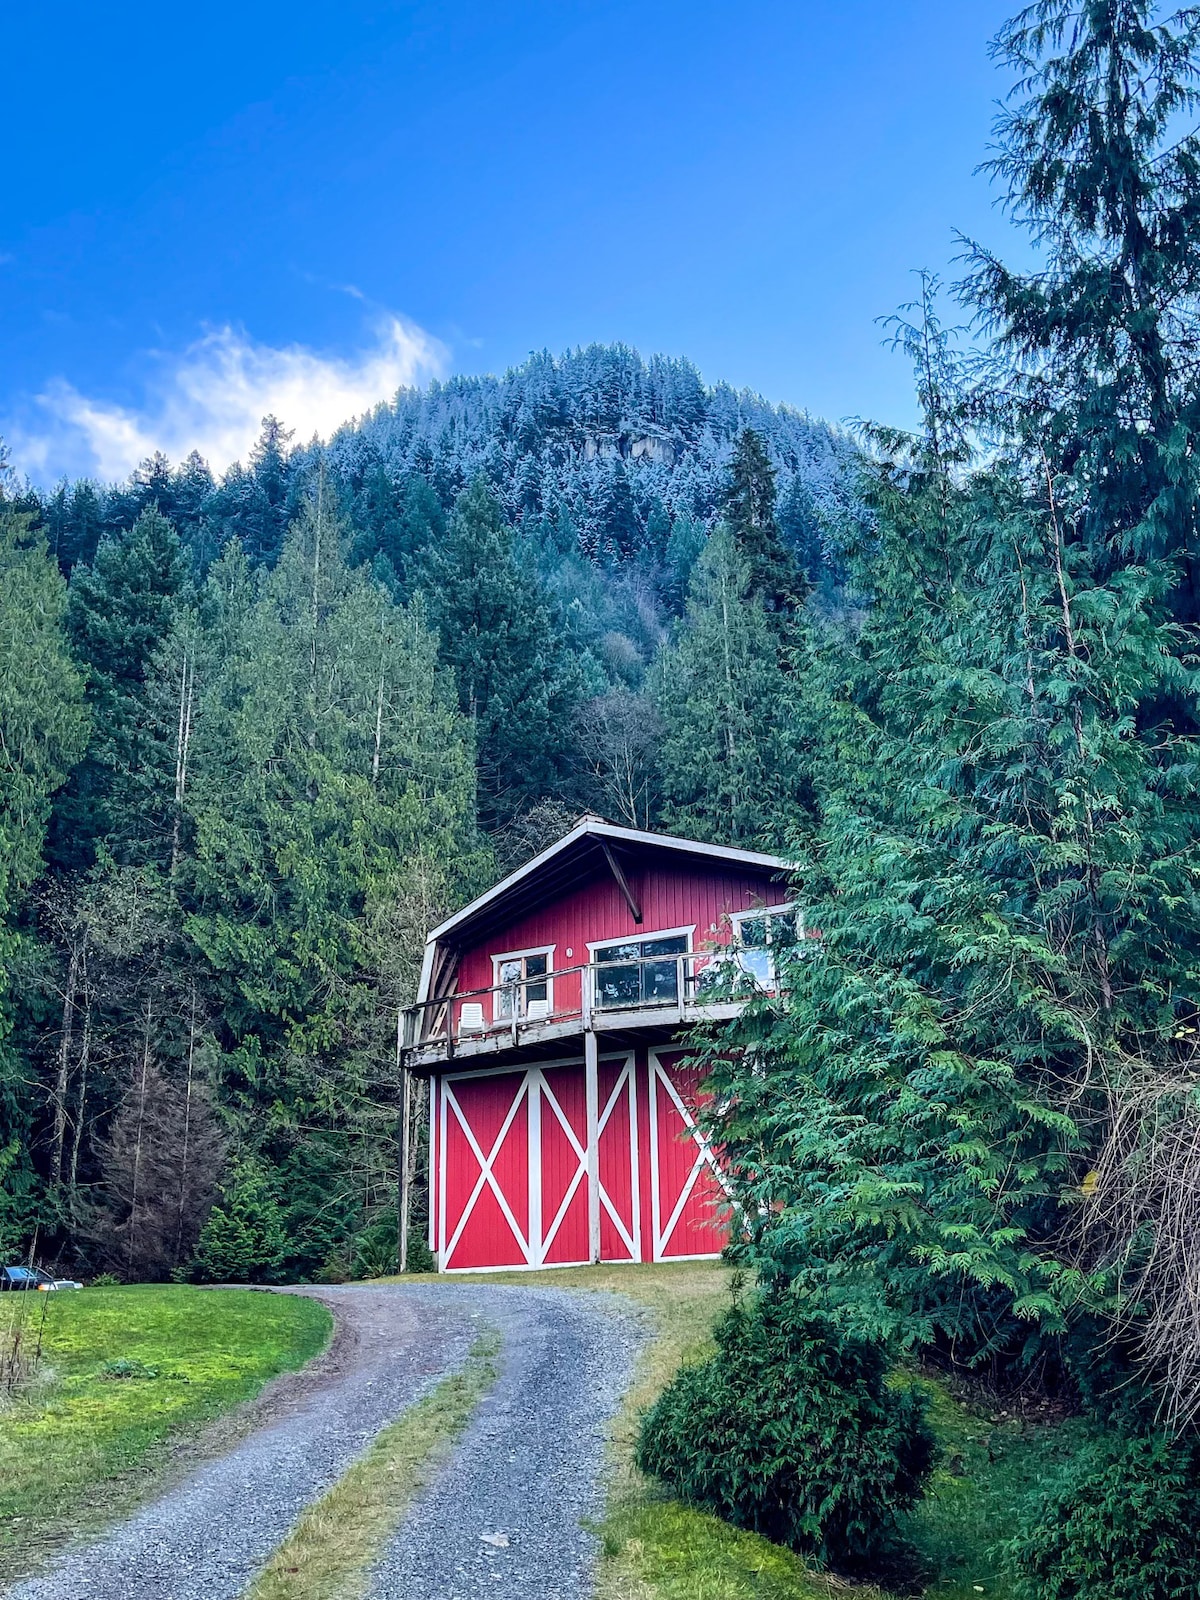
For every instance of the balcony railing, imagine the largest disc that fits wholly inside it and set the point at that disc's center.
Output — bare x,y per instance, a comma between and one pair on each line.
585,995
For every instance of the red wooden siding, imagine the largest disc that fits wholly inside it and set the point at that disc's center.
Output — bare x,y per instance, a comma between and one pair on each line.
510,1169
669,897
562,1109
620,1210
690,1210
485,1167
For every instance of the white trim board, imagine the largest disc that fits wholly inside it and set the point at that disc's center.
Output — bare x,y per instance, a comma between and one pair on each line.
639,937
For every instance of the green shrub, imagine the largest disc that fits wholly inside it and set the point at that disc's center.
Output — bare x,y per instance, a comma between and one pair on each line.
243,1240
793,1431
420,1257
374,1248
127,1367
1118,1525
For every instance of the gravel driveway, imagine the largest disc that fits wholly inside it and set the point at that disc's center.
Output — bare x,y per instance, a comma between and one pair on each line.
525,1472
504,1518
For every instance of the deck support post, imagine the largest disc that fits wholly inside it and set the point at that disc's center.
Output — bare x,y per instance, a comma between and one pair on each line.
591,1073
403,1143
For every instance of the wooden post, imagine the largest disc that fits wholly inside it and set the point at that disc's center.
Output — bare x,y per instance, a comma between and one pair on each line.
591,1072
404,1177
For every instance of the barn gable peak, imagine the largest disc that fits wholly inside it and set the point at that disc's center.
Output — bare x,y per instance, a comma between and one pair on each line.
591,844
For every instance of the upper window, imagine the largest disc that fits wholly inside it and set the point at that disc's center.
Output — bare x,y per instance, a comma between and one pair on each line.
639,972
524,986
760,934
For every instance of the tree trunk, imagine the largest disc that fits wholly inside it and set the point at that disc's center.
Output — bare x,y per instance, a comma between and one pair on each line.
63,1076
85,1050
187,1129
183,741
137,1143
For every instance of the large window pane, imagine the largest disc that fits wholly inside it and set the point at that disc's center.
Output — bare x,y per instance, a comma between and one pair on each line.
617,985
660,979
629,951
521,980
660,982
626,978
759,965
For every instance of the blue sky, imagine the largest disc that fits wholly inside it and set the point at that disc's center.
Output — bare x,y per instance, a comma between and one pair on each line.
209,208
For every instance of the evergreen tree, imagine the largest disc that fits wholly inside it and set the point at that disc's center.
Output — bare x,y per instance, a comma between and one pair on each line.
1008,932
749,513
41,700
515,682
74,523
802,531
255,504
121,611
42,732
269,505
731,769
331,771
619,530
1097,347
243,1239
398,528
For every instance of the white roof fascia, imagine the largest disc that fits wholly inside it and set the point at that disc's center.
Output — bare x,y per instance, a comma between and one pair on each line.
426,971
603,830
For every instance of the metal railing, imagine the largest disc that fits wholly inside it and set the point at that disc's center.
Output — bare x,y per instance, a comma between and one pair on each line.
581,994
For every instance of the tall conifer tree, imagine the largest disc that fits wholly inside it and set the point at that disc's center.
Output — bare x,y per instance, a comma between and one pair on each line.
731,769
750,517
516,682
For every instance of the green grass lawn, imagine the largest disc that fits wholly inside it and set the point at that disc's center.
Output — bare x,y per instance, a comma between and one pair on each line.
654,1548
78,1444
991,1459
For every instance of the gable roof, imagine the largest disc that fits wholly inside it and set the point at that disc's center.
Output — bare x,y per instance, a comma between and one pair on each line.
557,869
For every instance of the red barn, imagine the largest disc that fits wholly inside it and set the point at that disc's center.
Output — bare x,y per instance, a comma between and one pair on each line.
562,1122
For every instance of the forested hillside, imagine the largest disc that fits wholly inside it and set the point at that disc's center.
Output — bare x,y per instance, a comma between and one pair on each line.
258,734
262,731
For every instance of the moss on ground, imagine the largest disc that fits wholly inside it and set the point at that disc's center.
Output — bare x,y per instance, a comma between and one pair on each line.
125,1372
992,1456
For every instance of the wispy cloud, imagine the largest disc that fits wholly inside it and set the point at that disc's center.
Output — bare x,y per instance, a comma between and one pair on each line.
213,397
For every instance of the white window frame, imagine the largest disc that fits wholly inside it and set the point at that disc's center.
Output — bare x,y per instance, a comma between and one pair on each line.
688,933
546,950
764,914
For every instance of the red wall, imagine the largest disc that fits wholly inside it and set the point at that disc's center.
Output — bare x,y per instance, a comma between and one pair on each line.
669,898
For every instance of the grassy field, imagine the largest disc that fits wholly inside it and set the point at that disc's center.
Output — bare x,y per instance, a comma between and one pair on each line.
657,1549
124,1373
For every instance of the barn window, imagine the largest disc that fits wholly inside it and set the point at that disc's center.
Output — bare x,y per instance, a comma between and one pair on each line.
524,987
759,936
628,975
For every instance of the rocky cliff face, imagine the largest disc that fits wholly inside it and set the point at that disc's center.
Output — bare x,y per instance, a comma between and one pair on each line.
658,448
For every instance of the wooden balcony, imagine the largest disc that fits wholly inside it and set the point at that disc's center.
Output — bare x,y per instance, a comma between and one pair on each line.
636,999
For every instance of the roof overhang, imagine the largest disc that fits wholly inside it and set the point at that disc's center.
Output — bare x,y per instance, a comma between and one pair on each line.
590,847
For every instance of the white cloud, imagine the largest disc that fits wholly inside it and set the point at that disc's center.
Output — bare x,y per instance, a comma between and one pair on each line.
213,397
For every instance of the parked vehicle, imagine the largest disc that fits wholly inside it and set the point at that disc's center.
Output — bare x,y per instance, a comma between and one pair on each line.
34,1278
